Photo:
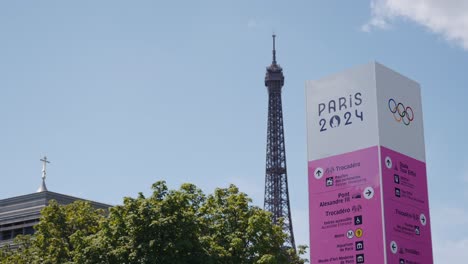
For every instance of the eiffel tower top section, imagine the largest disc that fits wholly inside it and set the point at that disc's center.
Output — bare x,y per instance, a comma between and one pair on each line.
274,72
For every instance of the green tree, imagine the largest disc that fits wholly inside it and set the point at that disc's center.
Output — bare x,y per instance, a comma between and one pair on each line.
236,232
62,231
163,228
170,226
23,253
60,235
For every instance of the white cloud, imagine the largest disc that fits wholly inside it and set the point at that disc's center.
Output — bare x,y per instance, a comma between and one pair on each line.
448,18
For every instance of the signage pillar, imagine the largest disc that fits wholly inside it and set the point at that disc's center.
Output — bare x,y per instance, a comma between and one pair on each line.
368,199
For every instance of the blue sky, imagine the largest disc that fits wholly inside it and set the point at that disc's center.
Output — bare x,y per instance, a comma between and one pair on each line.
121,94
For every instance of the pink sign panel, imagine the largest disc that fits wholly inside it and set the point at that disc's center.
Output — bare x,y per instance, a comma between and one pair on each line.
345,209
406,209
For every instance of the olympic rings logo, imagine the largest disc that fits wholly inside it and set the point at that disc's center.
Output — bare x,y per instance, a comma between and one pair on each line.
400,112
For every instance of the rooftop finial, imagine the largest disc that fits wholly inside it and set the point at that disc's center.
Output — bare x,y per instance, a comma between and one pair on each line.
274,49
43,187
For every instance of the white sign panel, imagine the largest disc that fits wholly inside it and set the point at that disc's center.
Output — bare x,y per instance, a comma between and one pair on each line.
400,113
341,112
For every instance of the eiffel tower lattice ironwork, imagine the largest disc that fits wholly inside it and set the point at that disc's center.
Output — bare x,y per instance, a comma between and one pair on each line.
276,180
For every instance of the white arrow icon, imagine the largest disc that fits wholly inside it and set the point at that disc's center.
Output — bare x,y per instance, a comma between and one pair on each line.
368,192
393,247
388,162
423,219
318,173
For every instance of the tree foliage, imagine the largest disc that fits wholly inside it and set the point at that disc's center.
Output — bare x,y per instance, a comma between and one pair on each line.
170,226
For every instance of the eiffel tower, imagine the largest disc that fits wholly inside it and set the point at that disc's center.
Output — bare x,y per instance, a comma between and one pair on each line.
276,180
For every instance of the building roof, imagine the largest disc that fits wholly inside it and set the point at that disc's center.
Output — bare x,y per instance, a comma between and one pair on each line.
28,207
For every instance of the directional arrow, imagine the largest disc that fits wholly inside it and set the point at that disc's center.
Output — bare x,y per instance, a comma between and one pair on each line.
393,247
368,192
423,219
388,162
318,173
